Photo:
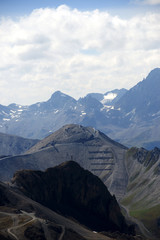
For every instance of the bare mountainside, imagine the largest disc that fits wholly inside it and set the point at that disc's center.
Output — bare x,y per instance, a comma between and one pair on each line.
90,148
142,198
14,145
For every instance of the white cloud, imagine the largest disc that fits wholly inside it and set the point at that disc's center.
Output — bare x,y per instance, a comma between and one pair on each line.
151,2
147,2
75,52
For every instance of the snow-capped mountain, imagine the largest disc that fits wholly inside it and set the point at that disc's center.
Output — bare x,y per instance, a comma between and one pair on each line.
40,119
130,117
109,98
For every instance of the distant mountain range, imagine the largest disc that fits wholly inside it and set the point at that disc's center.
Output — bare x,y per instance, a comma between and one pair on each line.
130,117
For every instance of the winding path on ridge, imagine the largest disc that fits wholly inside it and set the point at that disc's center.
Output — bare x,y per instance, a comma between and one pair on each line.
53,217
15,221
33,218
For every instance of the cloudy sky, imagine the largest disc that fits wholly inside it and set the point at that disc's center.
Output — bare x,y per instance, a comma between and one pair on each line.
76,47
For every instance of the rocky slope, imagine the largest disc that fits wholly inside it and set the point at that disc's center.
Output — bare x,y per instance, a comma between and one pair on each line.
141,113
14,145
73,192
143,190
143,98
92,149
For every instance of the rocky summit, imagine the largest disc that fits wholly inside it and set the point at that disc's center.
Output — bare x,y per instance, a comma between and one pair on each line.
73,192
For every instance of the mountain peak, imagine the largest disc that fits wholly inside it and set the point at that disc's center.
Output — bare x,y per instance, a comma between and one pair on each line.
144,97
59,99
153,77
73,133
58,94
155,71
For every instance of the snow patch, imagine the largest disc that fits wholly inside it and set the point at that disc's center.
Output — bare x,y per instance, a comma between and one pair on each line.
6,119
56,111
4,113
83,113
107,108
156,114
131,112
109,97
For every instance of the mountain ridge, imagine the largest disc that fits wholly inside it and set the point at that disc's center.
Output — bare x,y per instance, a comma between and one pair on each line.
128,117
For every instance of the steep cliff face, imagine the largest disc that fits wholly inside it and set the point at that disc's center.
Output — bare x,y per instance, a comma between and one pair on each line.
74,192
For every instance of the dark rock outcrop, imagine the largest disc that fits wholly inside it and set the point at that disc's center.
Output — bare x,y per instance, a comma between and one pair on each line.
73,192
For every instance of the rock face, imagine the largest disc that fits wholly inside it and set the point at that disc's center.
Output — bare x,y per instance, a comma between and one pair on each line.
73,192
92,149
